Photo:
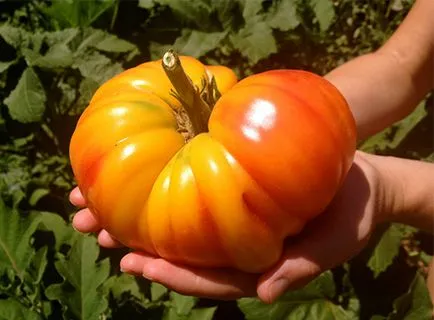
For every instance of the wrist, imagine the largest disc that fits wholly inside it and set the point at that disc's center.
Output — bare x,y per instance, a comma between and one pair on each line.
405,191
380,192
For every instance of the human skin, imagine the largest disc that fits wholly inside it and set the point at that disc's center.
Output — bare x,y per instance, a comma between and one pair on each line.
381,88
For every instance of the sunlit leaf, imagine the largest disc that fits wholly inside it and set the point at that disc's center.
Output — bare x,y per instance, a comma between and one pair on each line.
125,285
81,291
283,15
37,195
57,56
324,12
146,4
63,232
386,250
77,13
16,231
255,41
4,65
26,102
311,302
192,12
393,136
157,291
97,67
11,309
196,43
251,8
415,304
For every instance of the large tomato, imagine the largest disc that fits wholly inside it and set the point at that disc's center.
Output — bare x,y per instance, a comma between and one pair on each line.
278,147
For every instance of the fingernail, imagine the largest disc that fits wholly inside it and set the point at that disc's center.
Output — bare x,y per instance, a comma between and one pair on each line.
277,288
147,276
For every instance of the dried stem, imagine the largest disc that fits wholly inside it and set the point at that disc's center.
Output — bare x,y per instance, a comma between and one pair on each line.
197,109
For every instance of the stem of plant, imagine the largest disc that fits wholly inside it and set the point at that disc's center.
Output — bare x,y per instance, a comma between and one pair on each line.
197,109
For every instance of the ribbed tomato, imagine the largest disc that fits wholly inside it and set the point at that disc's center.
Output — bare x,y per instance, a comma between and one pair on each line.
279,146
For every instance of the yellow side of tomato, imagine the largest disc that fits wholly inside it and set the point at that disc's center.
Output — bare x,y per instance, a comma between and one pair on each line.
225,77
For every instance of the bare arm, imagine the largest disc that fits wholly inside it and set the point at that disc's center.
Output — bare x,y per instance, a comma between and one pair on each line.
385,86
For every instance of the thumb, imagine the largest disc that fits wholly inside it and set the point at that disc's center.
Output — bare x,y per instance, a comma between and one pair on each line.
293,273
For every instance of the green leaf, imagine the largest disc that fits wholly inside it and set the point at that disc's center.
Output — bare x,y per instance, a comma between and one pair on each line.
64,36
393,136
11,309
196,43
311,302
111,43
57,56
425,257
225,11
34,274
406,125
125,285
283,15
251,8
324,13
157,50
192,12
386,250
16,232
20,39
15,37
170,314
255,41
415,304
182,304
37,266
37,195
4,65
80,294
97,67
146,4
194,314
90,38
202,313
157,291
77,13
63,232
14,176
353,308
26,102
86,91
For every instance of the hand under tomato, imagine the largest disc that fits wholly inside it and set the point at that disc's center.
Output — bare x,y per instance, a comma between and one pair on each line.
334,237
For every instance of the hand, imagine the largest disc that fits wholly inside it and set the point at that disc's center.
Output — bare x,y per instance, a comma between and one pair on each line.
331,239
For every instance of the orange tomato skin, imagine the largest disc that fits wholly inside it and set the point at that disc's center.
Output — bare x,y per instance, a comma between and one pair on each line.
279,146
296,136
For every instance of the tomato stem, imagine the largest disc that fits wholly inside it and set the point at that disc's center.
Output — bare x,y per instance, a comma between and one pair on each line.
189,95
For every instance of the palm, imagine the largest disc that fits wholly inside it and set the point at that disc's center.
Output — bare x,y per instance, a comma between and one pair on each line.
334,237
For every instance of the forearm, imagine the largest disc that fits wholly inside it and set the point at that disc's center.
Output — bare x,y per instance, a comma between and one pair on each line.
385,86
406,191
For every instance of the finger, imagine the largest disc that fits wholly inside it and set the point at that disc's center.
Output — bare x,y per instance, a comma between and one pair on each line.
85,222
204,283
76,198
334,237
107,241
